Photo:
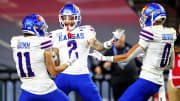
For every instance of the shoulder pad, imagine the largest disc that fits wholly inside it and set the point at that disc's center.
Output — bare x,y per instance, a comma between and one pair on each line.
14,40
172,29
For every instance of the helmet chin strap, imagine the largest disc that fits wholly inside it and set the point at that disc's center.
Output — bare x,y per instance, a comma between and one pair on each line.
68,33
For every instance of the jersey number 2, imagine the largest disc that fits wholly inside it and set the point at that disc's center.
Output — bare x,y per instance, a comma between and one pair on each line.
28,64
165,56
73,45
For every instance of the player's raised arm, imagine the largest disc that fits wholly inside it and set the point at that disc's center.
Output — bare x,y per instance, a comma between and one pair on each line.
91,38
55,55
49,62
54,70
132,53
94,43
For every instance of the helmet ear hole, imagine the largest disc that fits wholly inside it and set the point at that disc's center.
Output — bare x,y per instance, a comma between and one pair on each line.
163,19
76,18
148,19
40,31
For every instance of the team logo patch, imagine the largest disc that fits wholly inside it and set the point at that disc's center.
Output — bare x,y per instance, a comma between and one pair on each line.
158,11
39,18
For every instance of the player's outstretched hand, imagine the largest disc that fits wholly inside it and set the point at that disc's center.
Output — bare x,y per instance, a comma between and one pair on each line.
117,34
108,44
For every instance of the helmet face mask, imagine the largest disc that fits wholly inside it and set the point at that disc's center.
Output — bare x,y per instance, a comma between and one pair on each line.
70,16
151,13
34,24
142,22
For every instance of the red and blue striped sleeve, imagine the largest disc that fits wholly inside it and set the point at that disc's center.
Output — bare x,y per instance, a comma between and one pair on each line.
146,35
46,44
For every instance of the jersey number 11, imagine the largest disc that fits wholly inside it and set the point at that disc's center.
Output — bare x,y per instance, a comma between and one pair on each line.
28,65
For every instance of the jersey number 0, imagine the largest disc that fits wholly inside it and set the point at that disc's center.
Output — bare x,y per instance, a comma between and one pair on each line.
165,55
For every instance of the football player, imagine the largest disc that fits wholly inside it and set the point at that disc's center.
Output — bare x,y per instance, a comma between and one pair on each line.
75,39
32,55
158,44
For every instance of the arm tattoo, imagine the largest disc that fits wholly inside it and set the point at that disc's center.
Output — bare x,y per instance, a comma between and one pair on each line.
97,44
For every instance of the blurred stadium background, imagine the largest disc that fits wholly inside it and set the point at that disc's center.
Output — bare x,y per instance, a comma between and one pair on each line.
104,15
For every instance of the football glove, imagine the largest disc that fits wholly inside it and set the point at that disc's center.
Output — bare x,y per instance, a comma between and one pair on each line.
71,60
108,44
